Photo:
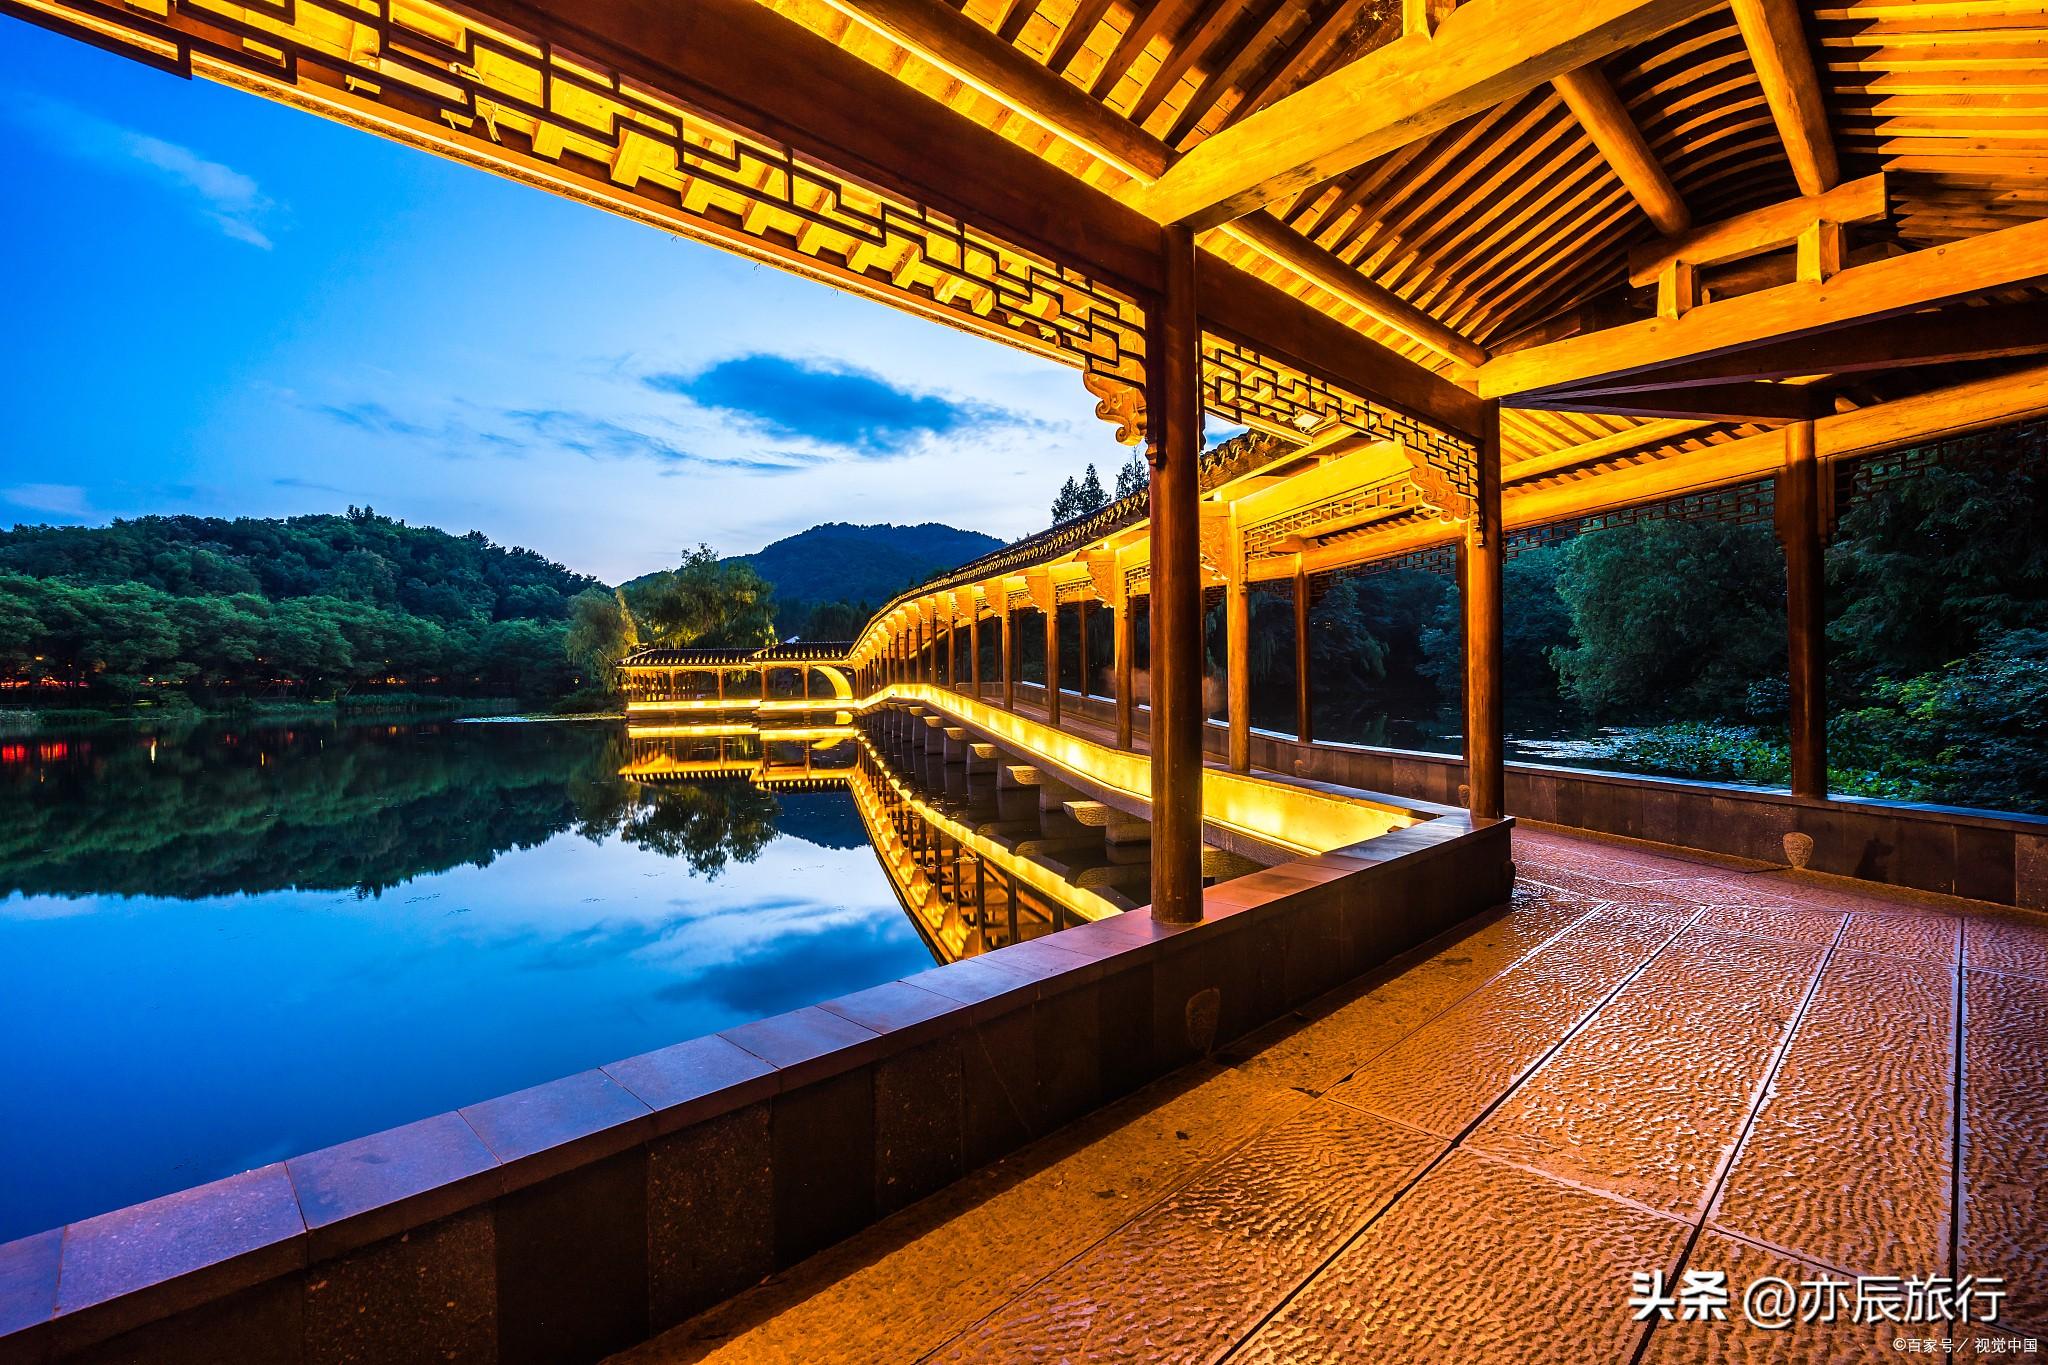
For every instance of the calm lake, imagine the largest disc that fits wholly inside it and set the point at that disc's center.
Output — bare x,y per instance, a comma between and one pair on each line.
221,946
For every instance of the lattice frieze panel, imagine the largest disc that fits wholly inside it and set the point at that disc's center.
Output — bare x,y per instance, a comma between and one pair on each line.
1357,506
1867,476
1436,559
444,79
1741,505
1269,395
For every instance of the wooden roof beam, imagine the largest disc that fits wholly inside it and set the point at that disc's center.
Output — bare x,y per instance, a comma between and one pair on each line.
1601,448
1591,98
983,60
1863,293
1742,402
1935,416
2001,331
1482,53
1760,230
1331,272
1775,35
1245,309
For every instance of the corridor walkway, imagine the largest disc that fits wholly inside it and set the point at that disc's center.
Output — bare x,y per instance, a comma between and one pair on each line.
1646,1064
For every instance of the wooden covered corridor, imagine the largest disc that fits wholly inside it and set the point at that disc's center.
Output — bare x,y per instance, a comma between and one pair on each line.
1463,271
1473,266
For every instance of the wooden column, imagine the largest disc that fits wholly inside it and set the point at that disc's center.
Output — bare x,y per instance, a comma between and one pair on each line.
1052,660
764,682
1482,606
927,647
1237,657
1081,639
1009,655
944,651
1799,523
1173,353
974,653
1304,708
1126,646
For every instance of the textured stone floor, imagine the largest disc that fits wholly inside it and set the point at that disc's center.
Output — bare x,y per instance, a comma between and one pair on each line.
1648,1063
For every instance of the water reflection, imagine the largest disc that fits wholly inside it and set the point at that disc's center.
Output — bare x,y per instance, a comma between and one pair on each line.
221,946
968,859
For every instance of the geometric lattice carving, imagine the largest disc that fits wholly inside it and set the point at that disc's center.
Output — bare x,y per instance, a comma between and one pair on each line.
1742,504
1269,395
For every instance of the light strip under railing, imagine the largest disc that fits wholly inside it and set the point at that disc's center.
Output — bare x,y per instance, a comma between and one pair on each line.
1301,819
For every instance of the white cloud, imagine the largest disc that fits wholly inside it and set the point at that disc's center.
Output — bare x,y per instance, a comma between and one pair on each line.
230,200
65,499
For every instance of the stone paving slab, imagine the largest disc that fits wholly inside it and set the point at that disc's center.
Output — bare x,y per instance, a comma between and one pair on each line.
1648,1063
2005,1139
1442,1077
1186,1281
1649,1098
1480,1261
1848,1163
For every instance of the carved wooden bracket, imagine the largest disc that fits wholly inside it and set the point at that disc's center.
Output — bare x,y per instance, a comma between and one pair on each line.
1118,401
1102,572
1433,488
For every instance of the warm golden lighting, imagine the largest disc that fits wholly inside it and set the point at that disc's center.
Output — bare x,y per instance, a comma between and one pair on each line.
1301,819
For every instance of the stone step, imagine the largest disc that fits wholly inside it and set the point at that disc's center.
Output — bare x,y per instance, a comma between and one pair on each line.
1054,846
1222,864
1115,874
1117,826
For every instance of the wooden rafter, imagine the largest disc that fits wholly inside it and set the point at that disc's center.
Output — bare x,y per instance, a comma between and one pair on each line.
1331,273
1216,18
1087,15
1776,38
1316,42
1606,120
997,69
1483,53
1155,20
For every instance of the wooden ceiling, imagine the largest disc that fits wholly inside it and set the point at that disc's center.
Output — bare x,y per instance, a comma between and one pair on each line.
1512,226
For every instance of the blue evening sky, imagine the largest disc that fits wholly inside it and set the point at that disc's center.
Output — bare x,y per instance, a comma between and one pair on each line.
218,305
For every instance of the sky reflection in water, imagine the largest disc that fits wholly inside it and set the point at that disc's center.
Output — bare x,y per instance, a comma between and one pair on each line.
260,943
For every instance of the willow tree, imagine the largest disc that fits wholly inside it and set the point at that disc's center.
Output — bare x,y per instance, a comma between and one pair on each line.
706,603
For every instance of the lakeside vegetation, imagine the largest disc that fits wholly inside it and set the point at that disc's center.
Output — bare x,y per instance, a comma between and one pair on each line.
1672,631
359,612
1665,634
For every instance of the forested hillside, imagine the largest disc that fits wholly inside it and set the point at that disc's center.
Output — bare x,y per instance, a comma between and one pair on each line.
847,565
262,607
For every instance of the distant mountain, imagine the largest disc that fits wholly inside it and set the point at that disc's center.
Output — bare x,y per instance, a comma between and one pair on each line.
840,562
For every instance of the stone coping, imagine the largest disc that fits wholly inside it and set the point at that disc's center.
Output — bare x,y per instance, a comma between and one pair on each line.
65,1290
2018,821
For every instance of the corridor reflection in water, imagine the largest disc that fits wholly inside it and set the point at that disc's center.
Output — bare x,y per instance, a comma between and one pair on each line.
222,946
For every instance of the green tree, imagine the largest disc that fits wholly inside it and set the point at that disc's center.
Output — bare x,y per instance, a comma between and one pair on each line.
1535,625
1067,505
1133,474
1672,617
837,620
601,632
706,604
1089,496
